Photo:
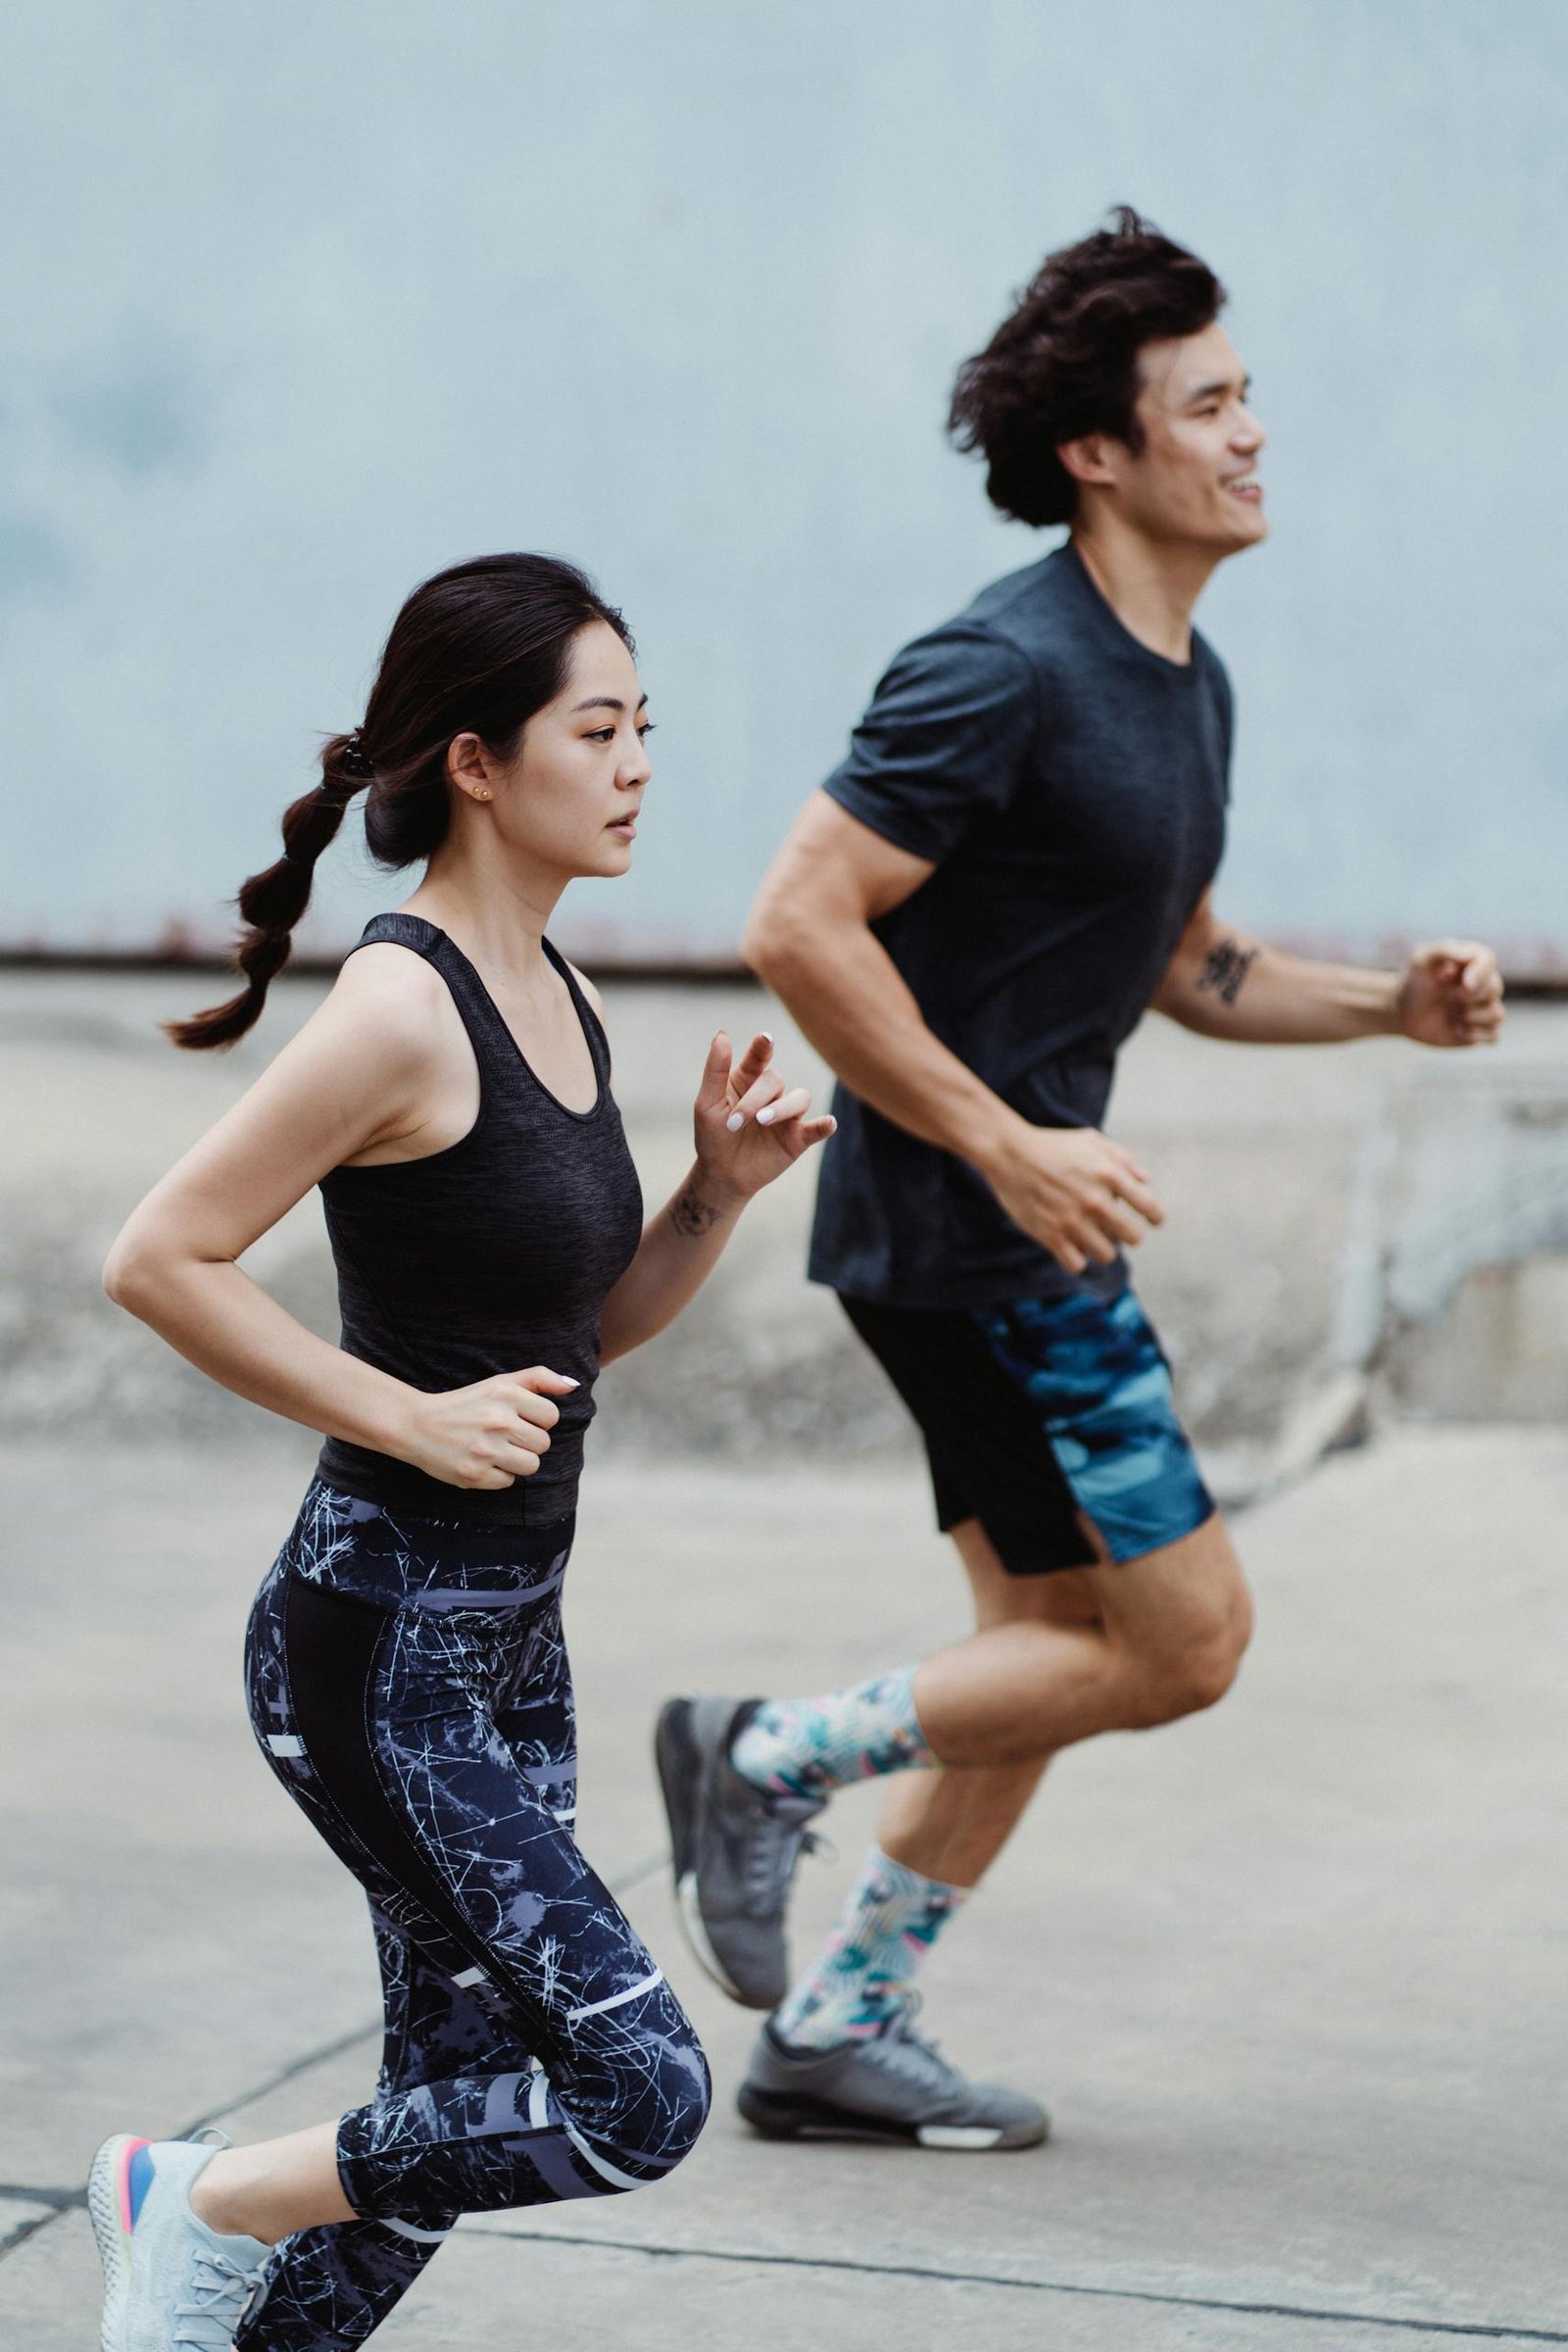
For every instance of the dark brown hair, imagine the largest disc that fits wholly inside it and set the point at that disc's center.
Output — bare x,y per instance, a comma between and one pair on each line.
478,648
1065,361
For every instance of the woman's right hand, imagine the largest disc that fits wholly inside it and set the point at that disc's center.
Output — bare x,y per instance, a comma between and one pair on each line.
489,1435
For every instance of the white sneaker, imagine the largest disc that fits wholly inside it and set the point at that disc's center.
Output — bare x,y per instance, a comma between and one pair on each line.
170,2285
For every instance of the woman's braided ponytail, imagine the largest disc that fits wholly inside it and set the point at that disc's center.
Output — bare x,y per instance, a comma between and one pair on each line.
272,902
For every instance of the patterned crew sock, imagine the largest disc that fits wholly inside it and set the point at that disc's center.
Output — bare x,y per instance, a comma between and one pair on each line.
807,1746
866,1975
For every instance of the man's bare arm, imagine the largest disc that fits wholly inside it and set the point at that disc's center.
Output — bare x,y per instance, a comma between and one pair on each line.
810,938
1224,984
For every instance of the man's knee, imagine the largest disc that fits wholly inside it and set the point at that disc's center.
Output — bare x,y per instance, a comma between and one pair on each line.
1196,1667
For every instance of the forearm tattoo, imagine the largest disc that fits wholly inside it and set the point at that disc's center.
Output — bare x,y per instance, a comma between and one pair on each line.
1225,972
691,1214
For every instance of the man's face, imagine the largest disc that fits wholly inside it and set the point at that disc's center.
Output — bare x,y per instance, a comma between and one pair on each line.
1194,480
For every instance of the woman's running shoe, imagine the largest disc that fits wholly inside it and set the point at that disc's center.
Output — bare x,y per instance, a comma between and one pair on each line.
170,2285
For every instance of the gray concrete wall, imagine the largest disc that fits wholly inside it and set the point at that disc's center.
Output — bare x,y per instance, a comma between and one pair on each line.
1354,1230
299,303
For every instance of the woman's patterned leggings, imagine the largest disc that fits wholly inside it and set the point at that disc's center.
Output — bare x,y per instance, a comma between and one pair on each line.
408,1685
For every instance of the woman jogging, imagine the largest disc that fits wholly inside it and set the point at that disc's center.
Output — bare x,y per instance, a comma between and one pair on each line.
407,1680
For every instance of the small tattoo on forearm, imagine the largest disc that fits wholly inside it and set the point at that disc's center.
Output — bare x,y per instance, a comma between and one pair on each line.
691,1214
1225,972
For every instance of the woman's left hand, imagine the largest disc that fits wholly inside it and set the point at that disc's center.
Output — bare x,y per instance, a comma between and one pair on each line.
750,1126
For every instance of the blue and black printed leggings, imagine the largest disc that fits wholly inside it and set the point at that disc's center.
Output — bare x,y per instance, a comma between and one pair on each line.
410,1686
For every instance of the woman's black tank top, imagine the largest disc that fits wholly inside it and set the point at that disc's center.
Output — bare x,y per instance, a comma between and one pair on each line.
490,1256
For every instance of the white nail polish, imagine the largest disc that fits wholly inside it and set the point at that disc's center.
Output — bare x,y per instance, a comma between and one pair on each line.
734,1122
764,1118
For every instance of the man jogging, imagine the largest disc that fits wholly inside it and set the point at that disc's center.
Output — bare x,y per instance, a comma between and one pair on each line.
968,920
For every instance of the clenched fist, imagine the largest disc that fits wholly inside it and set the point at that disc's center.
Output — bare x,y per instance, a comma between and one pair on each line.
1451,995
489,1435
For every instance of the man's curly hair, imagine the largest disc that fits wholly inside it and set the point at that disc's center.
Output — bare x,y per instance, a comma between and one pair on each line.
1065,361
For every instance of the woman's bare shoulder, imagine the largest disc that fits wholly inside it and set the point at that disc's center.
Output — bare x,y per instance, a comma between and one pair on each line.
391,993
387,1020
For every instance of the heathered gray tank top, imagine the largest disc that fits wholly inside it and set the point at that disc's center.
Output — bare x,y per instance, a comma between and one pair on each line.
490,1256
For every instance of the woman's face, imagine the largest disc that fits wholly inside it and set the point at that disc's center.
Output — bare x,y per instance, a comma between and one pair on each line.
568,800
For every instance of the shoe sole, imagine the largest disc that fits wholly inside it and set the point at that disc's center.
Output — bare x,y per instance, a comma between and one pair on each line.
106,2196
776,2115
679,1762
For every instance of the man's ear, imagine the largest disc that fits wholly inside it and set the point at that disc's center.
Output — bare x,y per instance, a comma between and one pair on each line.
1089,459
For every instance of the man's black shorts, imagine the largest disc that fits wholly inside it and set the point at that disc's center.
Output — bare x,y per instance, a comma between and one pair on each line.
1041,1415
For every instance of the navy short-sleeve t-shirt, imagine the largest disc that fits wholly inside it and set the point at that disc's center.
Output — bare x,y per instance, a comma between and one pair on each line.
1069,787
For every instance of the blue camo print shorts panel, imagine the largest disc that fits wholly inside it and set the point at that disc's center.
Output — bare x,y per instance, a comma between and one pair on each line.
1094,1371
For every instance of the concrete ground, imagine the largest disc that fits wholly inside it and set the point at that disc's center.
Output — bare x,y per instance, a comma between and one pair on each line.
1290,1974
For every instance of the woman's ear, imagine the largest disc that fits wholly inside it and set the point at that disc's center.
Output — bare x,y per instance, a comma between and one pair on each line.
471,767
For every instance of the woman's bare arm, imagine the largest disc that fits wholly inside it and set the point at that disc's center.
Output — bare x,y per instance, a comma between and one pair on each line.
750,1127
358,1075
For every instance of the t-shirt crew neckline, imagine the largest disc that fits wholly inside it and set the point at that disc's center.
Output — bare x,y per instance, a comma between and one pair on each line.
1118,628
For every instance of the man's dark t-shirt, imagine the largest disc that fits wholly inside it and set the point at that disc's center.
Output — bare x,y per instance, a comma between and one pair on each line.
1069,786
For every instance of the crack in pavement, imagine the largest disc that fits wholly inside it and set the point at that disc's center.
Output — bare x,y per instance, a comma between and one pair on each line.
61,2201
66,2200
1471,2328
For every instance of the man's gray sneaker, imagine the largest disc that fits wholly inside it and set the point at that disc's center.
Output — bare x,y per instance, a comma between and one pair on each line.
170,2285
893,2086
734,1847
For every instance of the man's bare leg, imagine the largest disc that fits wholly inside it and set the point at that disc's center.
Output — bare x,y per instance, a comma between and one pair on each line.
950,1824
1170,1633
1158,1642
964,1738
1054,1659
